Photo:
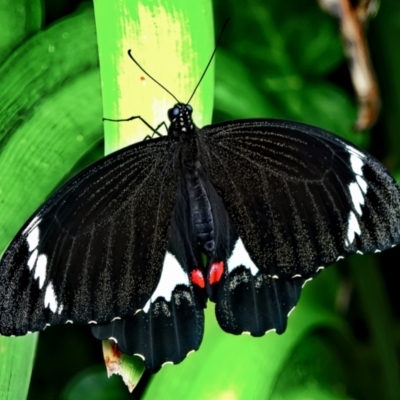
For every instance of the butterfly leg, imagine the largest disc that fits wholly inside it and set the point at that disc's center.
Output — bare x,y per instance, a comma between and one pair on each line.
154,130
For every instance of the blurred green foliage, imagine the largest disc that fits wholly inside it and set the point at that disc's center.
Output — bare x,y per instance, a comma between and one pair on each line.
277,59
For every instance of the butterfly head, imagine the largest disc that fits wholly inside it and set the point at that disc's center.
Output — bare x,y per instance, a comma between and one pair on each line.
180,117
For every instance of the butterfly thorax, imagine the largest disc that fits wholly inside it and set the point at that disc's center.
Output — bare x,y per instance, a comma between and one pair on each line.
180,117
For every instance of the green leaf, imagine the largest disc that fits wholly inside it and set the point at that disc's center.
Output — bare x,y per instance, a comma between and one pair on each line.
50,116
16,362
19,20
315,370
92,384
173,43
236,94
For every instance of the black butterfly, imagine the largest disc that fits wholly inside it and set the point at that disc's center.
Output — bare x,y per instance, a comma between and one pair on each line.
269,202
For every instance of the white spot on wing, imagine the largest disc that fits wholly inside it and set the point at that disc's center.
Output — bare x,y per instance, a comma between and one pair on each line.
356,196
239,257
361,182
291,311
356,160
357,190
33,223
166,363
33,239
352,229
140,355
32,259
172,275
356,164
50,298
116,318
307,280
40,270
355,151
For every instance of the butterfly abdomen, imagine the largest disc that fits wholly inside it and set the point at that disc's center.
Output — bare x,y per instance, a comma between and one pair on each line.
202,217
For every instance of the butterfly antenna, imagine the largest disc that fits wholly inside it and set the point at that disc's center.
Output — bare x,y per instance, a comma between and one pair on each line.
153,79
210,60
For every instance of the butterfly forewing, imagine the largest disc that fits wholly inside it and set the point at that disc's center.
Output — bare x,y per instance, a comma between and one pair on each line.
300,197
94,251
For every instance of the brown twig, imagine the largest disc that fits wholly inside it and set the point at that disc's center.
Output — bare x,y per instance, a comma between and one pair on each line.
352,19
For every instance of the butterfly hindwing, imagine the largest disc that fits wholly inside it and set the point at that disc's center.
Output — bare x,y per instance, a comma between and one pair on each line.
247,299
95,250
254,303
300,197
170,325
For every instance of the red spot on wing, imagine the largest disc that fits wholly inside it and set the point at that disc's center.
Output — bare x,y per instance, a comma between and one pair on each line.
197,278
216,271
142,78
